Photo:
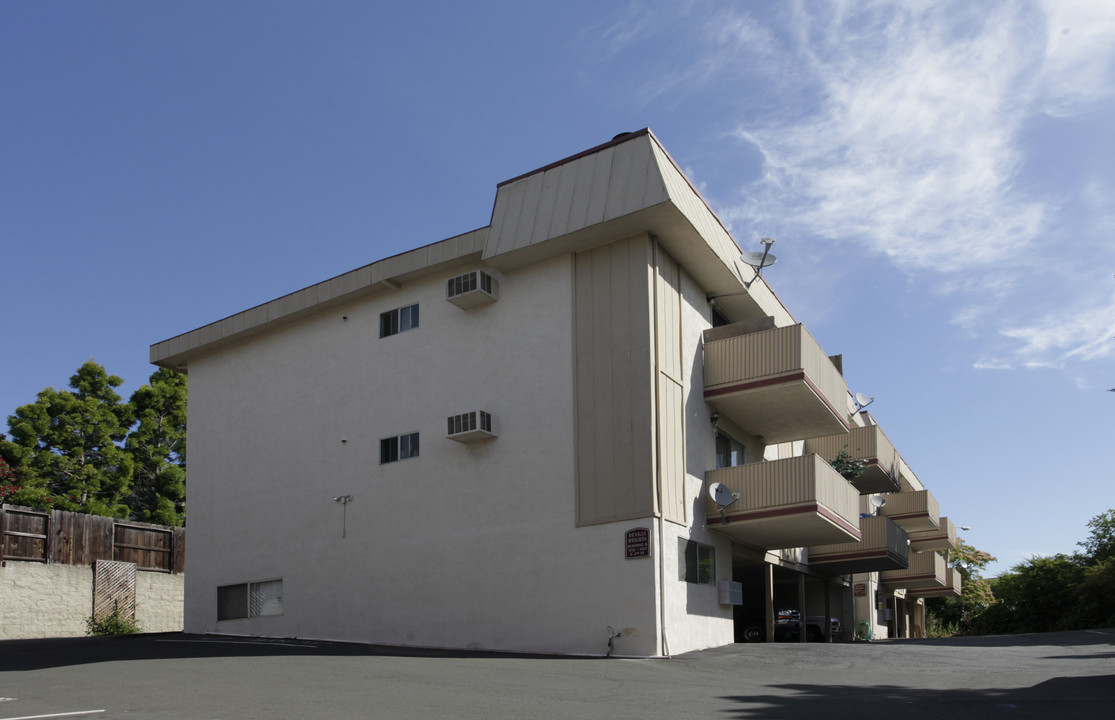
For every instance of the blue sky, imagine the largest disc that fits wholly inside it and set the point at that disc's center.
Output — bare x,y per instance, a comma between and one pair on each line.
939,177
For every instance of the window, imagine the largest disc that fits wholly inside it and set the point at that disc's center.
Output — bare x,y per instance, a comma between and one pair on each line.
729,453
399,320
696,562
248,600
399,447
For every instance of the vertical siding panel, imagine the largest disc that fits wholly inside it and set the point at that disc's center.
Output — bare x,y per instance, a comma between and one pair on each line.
672,463
582,192
601,180
618,312
654,189
585,389
531,195
613,413
669,317
640,259
543,216
563,202
636,184
622,162
505,215
604,424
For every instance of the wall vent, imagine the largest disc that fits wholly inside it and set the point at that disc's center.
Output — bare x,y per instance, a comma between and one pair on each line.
472,289
471,426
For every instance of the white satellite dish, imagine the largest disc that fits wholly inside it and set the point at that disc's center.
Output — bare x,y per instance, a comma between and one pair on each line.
877,501
863,401
721,495
758,260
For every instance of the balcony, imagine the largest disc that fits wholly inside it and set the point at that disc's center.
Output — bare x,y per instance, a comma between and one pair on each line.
953,586
863,443
776,384
913,511
787,503
941,539
883,547
926,570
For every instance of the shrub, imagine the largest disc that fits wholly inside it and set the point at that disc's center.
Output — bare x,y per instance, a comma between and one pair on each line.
115,623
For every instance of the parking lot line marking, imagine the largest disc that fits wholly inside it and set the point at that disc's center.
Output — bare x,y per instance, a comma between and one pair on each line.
54,715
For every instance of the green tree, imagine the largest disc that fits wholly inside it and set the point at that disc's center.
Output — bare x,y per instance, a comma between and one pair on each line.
1038,595
65,445
158,447
958,613
1095,596
1100,544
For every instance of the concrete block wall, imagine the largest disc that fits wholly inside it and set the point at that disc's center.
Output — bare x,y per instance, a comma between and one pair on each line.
159,598
39,600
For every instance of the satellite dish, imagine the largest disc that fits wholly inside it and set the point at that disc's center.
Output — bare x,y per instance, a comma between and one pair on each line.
758,260
877,501
721,495
863,401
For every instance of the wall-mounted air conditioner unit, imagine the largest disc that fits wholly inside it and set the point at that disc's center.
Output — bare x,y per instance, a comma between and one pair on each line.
729,592
472,289
472,426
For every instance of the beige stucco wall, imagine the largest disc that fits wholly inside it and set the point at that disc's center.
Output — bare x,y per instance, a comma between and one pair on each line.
471,546
38,600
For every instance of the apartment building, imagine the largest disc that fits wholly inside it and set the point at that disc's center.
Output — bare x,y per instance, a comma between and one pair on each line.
506,440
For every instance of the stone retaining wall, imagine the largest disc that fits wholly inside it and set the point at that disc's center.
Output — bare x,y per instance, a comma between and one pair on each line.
39,600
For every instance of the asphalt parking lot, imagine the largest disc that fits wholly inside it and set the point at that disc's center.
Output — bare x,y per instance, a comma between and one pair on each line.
1060,675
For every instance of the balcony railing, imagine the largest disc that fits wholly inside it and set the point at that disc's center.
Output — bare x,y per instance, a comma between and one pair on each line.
883,547
863,443
787,503
943,538
776,384
914,511
953,586
926,570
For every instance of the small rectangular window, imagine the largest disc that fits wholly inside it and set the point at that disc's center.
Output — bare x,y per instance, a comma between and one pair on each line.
729,453
399,320
248,600
696,562
399,447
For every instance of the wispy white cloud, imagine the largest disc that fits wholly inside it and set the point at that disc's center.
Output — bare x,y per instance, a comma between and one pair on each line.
1080,47
1064,334
912,153
904,130
916,153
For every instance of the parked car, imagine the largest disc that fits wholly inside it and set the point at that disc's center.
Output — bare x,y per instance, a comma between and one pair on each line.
787,625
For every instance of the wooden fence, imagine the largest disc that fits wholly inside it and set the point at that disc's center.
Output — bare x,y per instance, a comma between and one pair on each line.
58,536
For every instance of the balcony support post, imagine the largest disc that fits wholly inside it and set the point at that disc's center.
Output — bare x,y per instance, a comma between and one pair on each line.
801,608
827,627
768,598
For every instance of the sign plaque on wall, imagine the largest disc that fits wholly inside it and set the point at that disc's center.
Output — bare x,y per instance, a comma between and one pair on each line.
637,543
860,590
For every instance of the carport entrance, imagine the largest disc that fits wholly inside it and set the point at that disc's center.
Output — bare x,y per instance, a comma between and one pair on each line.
769,587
